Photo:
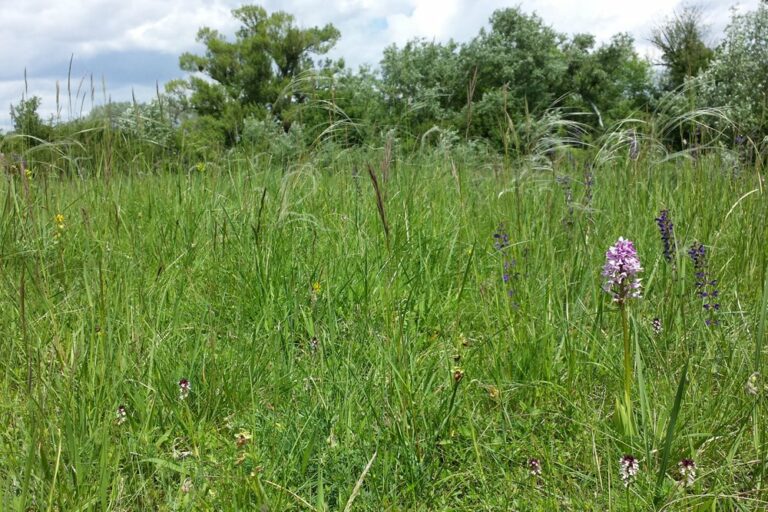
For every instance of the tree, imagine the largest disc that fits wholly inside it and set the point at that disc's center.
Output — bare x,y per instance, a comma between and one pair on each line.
520,53
611,81
738,75
248,74
514,71
27,121
680,39
515,66
420,82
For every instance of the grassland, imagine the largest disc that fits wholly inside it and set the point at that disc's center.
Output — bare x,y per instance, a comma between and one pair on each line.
333,367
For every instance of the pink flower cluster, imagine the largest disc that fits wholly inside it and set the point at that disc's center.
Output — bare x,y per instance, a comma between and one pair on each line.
620,270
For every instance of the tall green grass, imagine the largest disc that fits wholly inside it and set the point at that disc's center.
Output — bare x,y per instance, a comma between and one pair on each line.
428,387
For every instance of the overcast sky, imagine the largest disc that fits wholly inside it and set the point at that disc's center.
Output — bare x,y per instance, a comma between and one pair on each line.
130,45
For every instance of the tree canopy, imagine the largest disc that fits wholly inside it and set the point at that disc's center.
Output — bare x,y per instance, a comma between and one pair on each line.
680,40
249,73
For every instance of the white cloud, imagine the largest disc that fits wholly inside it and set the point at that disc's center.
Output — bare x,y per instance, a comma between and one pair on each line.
40,35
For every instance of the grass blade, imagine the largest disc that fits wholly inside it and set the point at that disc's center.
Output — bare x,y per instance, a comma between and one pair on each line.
670,433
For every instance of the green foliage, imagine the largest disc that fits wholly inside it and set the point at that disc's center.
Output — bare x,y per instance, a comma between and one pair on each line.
422,83
681,43
246,75
203,137
268,136
521,53
147,121
26,121
611,81
517,69
738,76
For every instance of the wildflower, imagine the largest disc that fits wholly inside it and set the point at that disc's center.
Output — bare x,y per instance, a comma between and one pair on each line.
314,292
184,388
667,235
242,438
566,186
186,486
620,270
508,275
122,415
534,467
200,166
656,325
501,238
687,471
314,343
458,374
628,468
508,265
698,254
706,288
181,454
501,242
59,220
753,384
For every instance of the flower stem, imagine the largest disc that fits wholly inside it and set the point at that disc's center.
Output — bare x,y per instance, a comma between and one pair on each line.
627,366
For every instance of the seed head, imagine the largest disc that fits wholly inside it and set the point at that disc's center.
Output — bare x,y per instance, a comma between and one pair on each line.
634,146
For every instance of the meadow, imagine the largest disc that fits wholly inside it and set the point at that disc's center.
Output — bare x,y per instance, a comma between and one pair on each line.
247,335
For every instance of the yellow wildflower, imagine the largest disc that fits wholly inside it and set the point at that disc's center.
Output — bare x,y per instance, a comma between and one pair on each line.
59,219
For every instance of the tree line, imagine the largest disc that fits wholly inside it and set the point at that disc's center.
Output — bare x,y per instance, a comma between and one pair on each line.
272,83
